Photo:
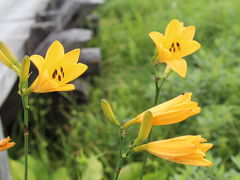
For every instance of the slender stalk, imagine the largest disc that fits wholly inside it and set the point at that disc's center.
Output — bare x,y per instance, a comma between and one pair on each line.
157,92
25,109
120,159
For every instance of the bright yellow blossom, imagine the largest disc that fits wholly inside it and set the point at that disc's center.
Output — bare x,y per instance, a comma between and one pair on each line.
5,144
183,150
57,69
172,111
176,43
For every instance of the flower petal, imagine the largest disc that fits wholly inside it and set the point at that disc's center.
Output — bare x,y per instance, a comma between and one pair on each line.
170,149
185,97
190,48
205,147
174,116
156,37
73,71
5,144
187,34
173,29
179,66
38,61
71,57
55,52
194,161
66,87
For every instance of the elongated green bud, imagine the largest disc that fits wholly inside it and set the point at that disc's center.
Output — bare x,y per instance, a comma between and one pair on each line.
8,58
9,54
145,128
4,59
107,110
24,73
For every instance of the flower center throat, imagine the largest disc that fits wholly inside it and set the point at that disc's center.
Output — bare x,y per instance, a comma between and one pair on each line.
58,74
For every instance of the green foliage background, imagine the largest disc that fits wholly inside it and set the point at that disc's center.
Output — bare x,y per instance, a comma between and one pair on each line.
86,144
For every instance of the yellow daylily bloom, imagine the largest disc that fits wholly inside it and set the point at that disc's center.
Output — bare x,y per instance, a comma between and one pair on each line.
183,150
5,144
172,111
57,69
176,43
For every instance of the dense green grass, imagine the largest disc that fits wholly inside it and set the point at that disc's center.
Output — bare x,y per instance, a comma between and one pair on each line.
88,143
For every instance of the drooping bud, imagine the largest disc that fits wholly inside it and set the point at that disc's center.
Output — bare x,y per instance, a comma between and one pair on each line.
107,110
8,58
145,128
24,73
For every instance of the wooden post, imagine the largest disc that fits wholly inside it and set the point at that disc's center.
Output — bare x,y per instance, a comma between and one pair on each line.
4,165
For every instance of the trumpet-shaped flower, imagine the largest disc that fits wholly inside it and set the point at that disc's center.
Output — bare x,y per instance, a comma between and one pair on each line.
5,144
57,69
176,43
172,111
183,150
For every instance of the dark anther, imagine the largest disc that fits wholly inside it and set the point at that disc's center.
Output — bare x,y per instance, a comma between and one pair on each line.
54,74
59,78
170,49
174,49
63,74
172,45
178,45
61,69
183,93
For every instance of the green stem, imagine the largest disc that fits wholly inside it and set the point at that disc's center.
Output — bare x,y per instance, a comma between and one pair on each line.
120,159
157,92
25,109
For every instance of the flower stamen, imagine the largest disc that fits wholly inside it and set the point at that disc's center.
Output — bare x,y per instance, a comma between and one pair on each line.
59,78
54,74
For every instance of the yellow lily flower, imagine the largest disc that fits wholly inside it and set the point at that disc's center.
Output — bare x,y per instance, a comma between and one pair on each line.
170,112
5,144
57,69
176,43
183,150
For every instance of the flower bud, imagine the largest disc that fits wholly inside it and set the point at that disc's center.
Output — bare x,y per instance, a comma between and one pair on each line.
8,59
145,128
24,72
107,110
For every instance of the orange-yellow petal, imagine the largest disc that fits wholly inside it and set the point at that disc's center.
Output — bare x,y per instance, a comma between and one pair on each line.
187,34
205,147
5,144
173,29
156,37
170,149
74,71
194,162
185,97
38,61
173,116
66,87
179,66
71,57
55,52
190,48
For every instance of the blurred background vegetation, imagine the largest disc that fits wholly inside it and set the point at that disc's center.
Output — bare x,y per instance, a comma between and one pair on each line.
81,144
